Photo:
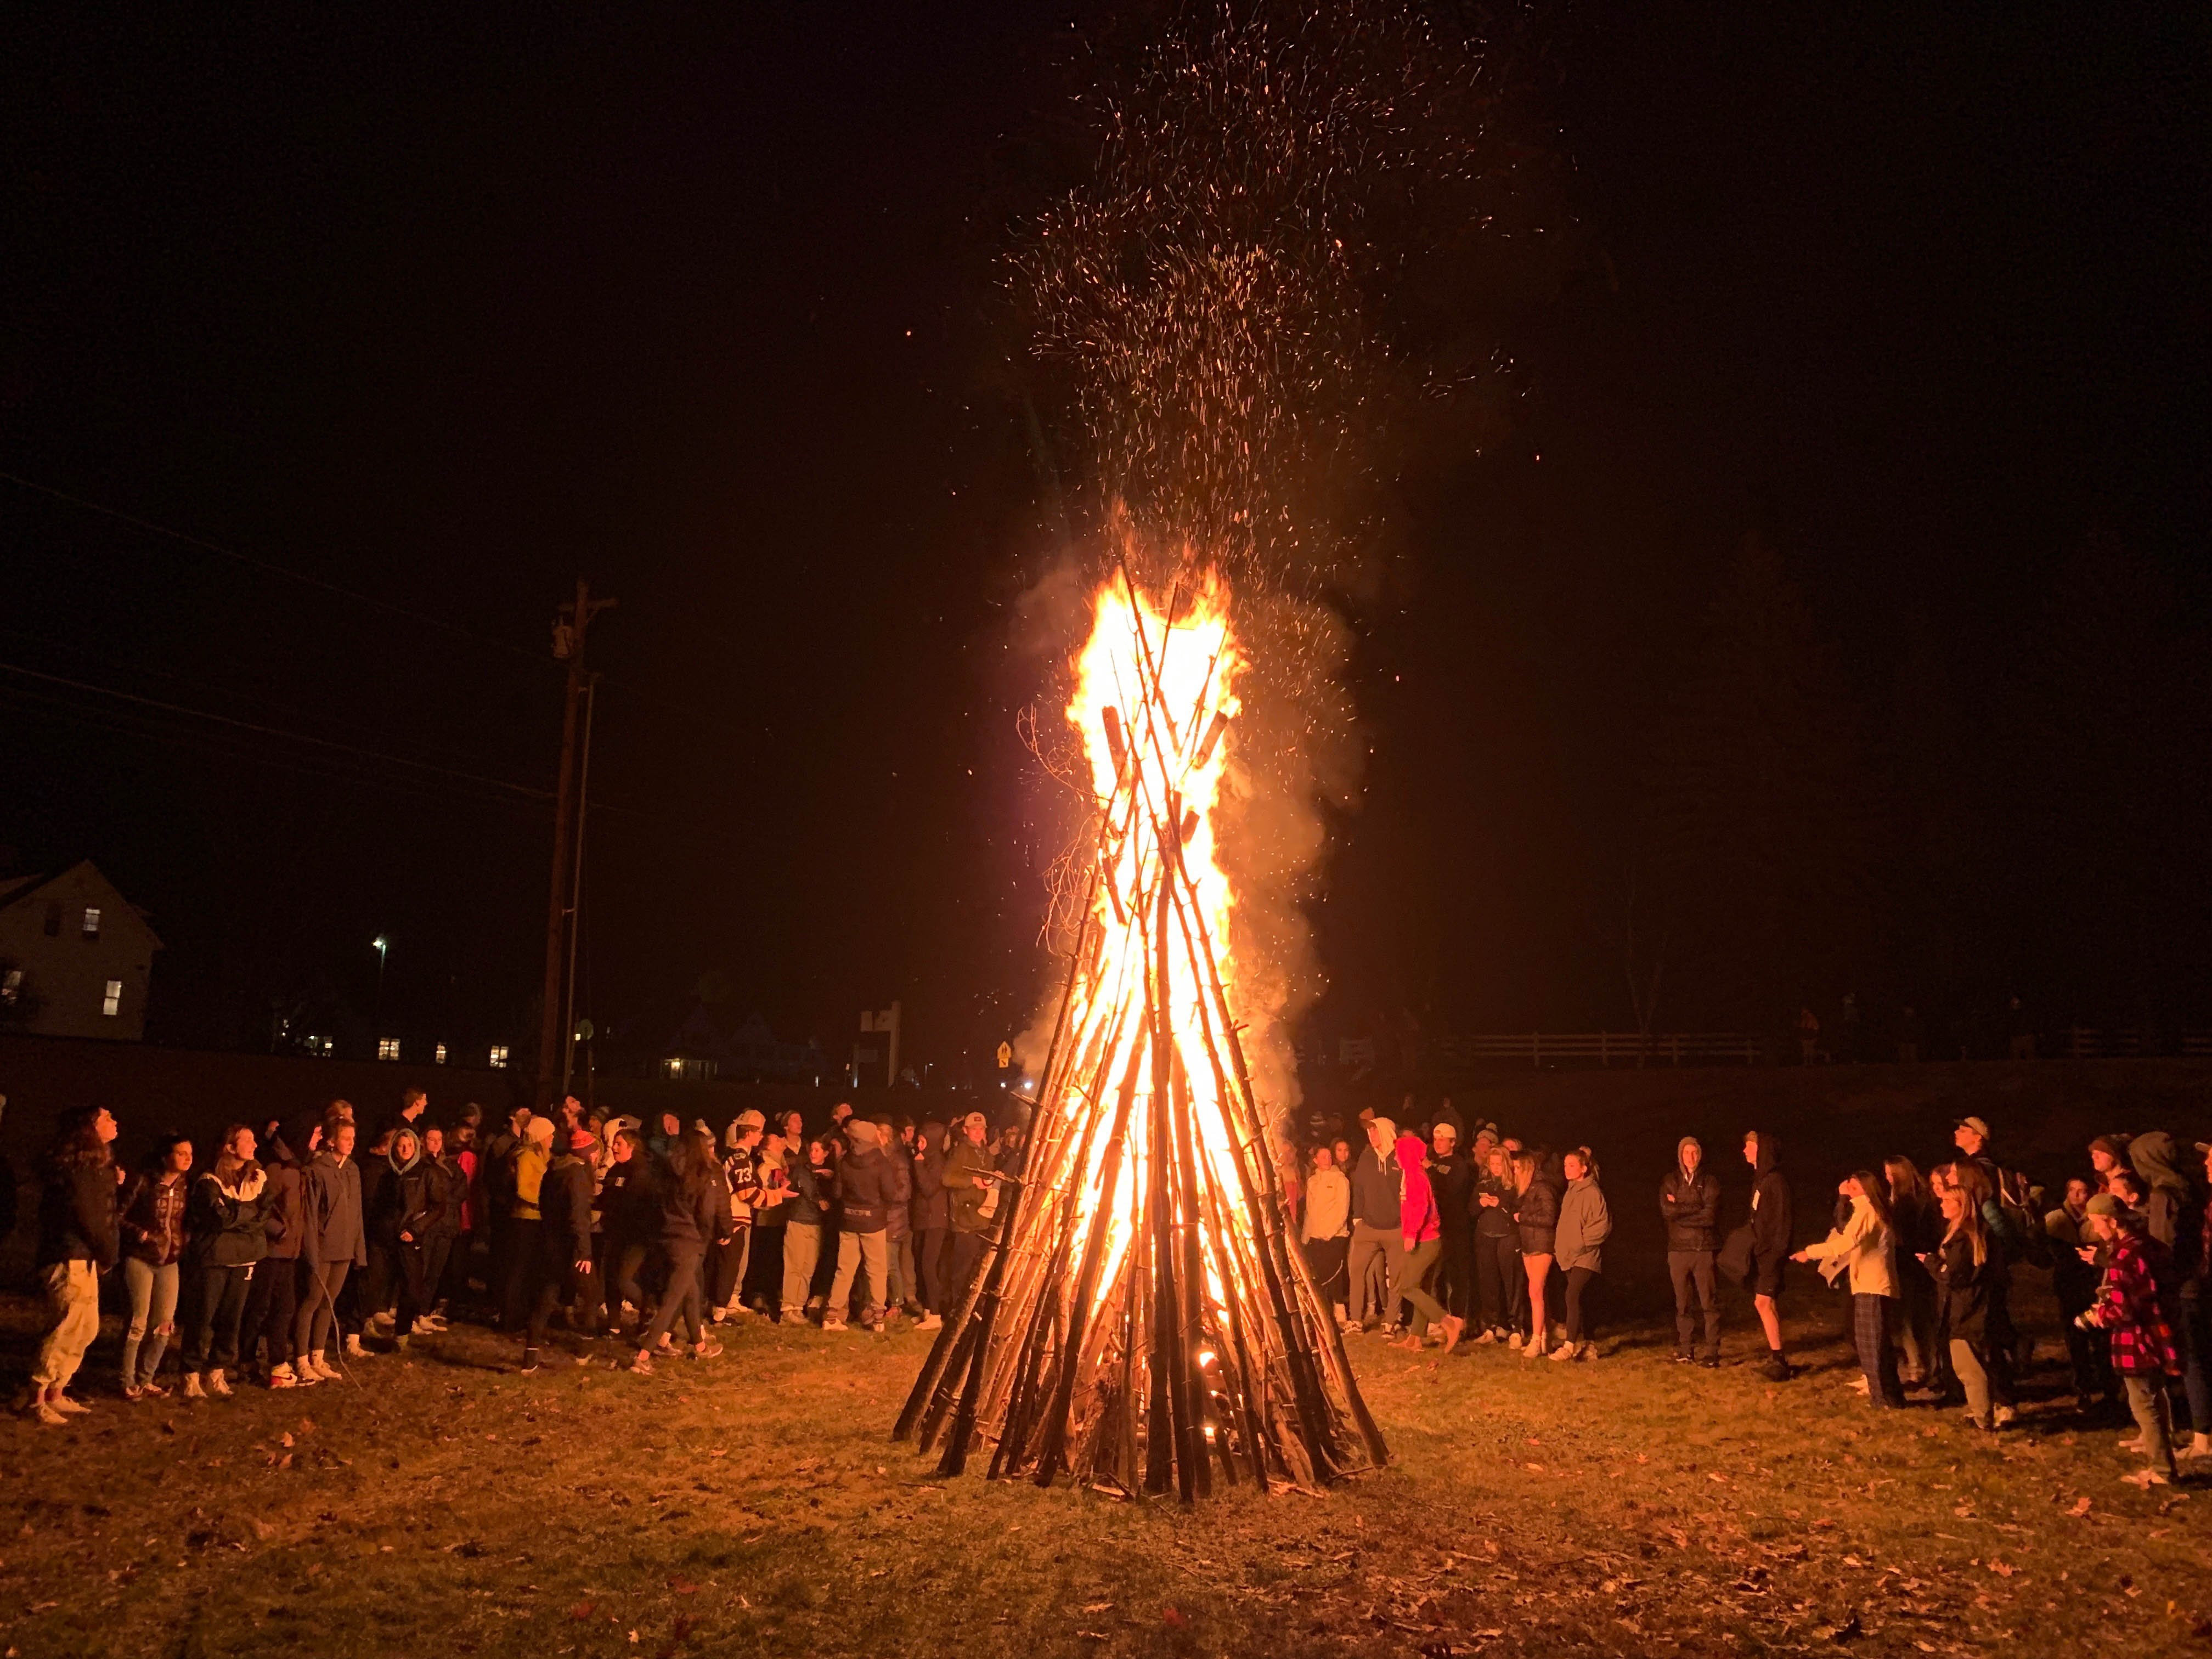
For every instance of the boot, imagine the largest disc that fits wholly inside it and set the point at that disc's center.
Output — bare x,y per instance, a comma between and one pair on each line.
216,1385
193,1389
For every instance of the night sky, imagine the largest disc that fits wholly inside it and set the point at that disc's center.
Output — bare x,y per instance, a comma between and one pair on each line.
705,308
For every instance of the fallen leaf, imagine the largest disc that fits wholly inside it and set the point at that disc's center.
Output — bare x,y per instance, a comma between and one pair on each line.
2081,1507
581,1611
1172,1617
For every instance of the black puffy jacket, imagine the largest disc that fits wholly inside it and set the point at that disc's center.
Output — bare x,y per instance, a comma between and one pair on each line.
228,1221
866,1189
76,1214
1691,1205
1770,1203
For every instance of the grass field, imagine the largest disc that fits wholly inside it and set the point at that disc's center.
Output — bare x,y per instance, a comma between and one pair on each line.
753,1503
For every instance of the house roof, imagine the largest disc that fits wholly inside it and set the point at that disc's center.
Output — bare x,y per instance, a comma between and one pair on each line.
18,890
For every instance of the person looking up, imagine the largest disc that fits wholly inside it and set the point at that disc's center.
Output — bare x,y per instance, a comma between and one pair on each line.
1771,1224
151,1220
1690,1204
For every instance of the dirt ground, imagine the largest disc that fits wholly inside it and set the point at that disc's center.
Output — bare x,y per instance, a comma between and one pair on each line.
444,1504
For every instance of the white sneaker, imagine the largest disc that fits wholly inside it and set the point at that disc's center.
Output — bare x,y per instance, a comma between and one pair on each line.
216,1386
2200,1445
931,1323
2001,1415
69,1405
1564,1350
1517,1341
1859,1384
353,1348
1487,1336
1532,1348
193,1389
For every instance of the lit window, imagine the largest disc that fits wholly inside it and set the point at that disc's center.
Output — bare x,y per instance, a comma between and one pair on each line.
329,1047
387,1048
440,1056
92,921
112,1003
11,986
499,1054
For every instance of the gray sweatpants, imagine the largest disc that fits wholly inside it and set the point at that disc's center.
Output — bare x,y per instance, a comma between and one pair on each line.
1366,1243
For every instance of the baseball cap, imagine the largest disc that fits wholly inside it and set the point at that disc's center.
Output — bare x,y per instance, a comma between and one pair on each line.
750,1119
1977,1126
2105,1204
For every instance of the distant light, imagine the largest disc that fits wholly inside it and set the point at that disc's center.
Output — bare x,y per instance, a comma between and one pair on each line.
498,1054
387,1048
439,1055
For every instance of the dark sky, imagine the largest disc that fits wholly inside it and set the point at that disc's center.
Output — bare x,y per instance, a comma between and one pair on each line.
703,307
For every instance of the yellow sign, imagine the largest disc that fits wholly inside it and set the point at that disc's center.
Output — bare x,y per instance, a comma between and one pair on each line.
1006,1055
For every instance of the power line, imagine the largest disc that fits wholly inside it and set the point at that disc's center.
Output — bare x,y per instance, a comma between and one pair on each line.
264,565
273,731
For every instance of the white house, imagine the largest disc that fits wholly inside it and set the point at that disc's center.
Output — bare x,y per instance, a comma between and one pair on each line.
75,957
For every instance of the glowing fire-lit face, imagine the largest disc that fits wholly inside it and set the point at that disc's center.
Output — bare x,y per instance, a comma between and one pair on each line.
1155,690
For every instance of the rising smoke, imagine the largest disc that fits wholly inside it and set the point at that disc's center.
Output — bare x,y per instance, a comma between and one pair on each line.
1209,317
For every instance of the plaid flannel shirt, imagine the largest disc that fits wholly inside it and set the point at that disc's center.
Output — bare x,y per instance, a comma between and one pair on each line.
2132,1308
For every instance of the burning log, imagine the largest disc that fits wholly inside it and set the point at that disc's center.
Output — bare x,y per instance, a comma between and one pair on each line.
1142,1316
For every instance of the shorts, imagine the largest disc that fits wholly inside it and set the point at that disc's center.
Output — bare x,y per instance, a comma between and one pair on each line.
1766,1275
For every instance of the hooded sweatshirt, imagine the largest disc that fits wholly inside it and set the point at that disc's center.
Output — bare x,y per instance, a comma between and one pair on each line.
2167,1210
1419,1220
1692,1202
228,1226
1770,1201
1328,1205
863,1181
1863,1247
1376,1193
332,1202
931,1209
1584,1225
284,1218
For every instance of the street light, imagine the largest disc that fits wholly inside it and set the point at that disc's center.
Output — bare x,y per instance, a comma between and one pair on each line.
379,945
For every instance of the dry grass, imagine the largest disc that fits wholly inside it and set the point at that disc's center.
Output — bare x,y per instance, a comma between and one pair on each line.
753,1504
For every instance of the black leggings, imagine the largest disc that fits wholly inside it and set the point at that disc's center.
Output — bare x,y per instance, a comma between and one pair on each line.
1502,1280
1578,1279
682,1299
272,1303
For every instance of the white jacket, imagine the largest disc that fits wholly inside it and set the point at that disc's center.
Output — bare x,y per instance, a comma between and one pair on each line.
1328,1205
1863,1246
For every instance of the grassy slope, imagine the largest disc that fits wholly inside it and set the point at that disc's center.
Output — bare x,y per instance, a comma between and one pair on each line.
752,1504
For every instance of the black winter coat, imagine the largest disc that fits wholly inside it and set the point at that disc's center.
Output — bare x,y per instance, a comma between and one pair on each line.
1770,1203
931,1209
1451,1178
865,1189
1537,1215
1691,1205
898,1213
77,1215
229,1225
564,1203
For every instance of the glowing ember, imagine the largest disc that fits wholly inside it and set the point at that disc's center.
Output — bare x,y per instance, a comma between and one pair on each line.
1146,1315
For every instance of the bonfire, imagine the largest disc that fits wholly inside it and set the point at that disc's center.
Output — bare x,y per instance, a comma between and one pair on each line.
1143,1320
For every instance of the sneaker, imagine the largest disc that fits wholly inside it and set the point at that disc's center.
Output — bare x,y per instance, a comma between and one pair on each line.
2147,1478
1778,1369
792,1316
642,1366
1487,1336
1682,1357
193,1389
929,1322
831,1323
710,1349
1564,1350
1515,1341
1587,1351
43,1410
69,1405
153,1390
720,1316
218,1384
353,1348
1711,1361
325,1371
399,1343
2200,1445
133,1393
528,1361
1859,1384
280,1375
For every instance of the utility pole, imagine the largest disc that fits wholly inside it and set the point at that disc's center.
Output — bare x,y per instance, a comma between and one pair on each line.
570,624
576,888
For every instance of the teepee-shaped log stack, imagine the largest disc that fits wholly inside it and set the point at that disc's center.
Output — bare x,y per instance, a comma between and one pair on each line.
1143,1318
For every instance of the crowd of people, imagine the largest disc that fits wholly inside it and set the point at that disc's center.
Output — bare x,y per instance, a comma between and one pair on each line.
1503,1242
299,1248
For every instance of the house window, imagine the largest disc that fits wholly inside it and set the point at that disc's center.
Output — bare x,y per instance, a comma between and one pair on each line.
499,1054
440,1056
92,921
11,986
110,1004
387,1048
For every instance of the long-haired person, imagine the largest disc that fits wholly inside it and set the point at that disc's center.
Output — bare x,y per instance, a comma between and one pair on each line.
1421,1229
1864,1248
1326,1231
1969,1267
932,1216
448,1191
411,1211
1916,1224
1578,1242
150,1217
1535,1221
230,1236
694,1215
1501,1286
77,1242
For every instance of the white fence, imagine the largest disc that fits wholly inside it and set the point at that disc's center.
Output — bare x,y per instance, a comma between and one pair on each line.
1540,1048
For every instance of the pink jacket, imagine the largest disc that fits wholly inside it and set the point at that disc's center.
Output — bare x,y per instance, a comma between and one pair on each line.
1417,1219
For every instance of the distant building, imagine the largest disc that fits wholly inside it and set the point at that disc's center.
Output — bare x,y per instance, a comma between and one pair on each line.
75,957
702,1051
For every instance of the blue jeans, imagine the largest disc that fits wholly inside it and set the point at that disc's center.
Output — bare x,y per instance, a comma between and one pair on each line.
153,1293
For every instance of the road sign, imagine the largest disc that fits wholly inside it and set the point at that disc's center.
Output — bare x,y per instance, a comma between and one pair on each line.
1006,1055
